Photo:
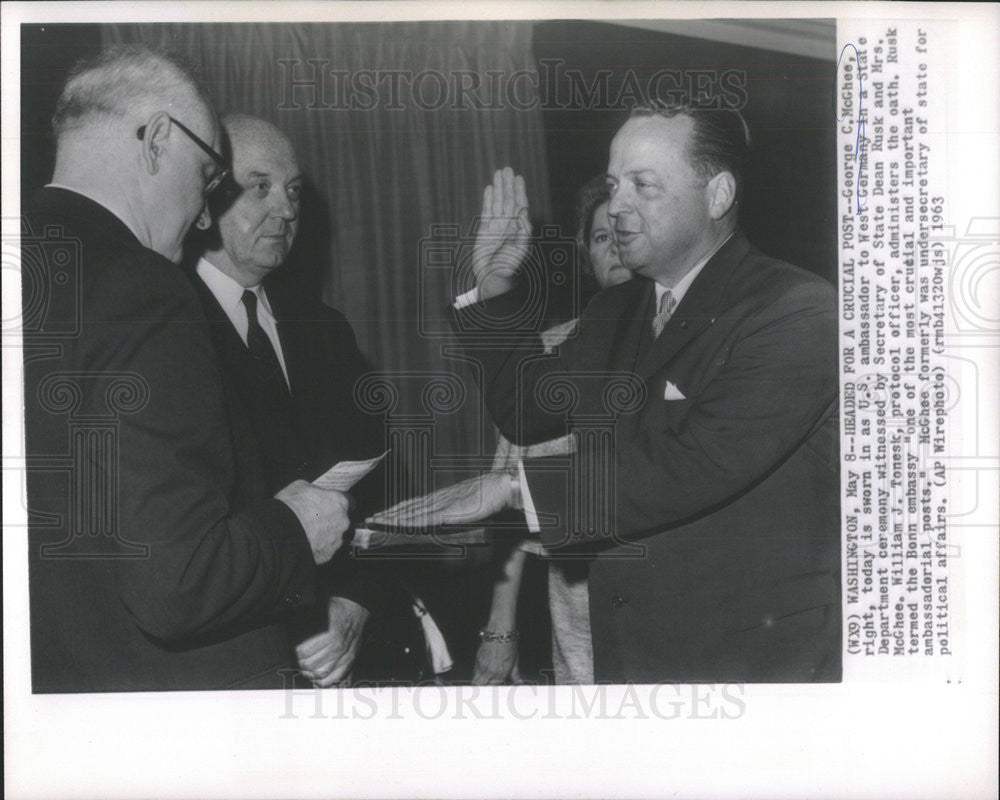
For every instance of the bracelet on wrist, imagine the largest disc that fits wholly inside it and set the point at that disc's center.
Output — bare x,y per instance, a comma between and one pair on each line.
498,636
514,481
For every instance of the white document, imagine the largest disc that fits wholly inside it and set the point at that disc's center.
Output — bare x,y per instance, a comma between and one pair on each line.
671,392
344,475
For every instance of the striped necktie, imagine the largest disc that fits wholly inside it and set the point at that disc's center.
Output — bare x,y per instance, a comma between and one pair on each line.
667,306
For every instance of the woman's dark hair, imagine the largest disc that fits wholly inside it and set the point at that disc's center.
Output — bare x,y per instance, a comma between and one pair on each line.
592,194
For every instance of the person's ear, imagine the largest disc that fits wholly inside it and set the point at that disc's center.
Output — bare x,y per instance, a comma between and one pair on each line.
154,140
721,194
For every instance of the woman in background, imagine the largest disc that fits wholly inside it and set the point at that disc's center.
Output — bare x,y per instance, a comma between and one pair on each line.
572,653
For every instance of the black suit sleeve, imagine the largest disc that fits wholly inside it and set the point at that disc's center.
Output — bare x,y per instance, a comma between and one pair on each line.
209,567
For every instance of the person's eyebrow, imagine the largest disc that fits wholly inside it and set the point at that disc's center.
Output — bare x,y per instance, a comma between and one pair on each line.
259,174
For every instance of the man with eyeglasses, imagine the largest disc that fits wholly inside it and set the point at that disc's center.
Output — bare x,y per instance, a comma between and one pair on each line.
158,559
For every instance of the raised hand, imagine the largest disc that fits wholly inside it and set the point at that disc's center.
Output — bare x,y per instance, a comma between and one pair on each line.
503,235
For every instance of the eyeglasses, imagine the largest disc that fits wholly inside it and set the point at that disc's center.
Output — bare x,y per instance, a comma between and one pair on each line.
224,169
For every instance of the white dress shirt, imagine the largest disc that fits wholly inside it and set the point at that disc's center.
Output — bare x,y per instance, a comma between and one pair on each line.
229,294
679,289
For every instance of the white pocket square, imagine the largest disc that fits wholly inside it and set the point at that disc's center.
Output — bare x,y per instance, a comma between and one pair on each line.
671,392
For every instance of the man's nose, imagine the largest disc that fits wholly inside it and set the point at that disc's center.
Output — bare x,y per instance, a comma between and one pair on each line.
284,207
616,203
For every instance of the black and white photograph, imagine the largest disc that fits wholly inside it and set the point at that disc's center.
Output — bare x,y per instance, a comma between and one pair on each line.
544,372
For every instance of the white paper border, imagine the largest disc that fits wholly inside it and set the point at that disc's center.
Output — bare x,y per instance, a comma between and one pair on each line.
864,740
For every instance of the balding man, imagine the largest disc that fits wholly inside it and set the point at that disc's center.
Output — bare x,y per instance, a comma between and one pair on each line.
291,363
158,559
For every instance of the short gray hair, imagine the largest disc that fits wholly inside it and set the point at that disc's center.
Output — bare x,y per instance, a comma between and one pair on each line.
121,79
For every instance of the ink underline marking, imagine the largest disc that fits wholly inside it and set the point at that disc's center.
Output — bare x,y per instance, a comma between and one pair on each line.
860,141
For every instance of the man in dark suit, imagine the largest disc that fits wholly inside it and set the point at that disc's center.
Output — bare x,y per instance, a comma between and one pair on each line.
157,557
290,364
713,518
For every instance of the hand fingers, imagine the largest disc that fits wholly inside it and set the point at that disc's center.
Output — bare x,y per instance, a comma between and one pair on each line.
397,516
520,194
335,676
497,198
407,510
523,222
487,201
406,506
398,510
486,676
419,519
310,648
322,665
313,662
508,192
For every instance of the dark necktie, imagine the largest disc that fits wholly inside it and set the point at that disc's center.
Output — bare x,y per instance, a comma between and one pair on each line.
265,360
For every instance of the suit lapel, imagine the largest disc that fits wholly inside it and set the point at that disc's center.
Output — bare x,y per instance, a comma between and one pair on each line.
699,309
228,341
294,347
626,344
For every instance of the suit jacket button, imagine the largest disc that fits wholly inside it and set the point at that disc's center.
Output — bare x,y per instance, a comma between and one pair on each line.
618,601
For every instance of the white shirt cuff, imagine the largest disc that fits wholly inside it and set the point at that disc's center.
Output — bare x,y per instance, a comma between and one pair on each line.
530,515
467,299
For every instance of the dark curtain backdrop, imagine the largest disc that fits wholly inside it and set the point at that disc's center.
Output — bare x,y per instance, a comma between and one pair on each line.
380,178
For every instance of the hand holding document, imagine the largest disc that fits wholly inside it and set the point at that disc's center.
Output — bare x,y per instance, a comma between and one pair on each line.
344,475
